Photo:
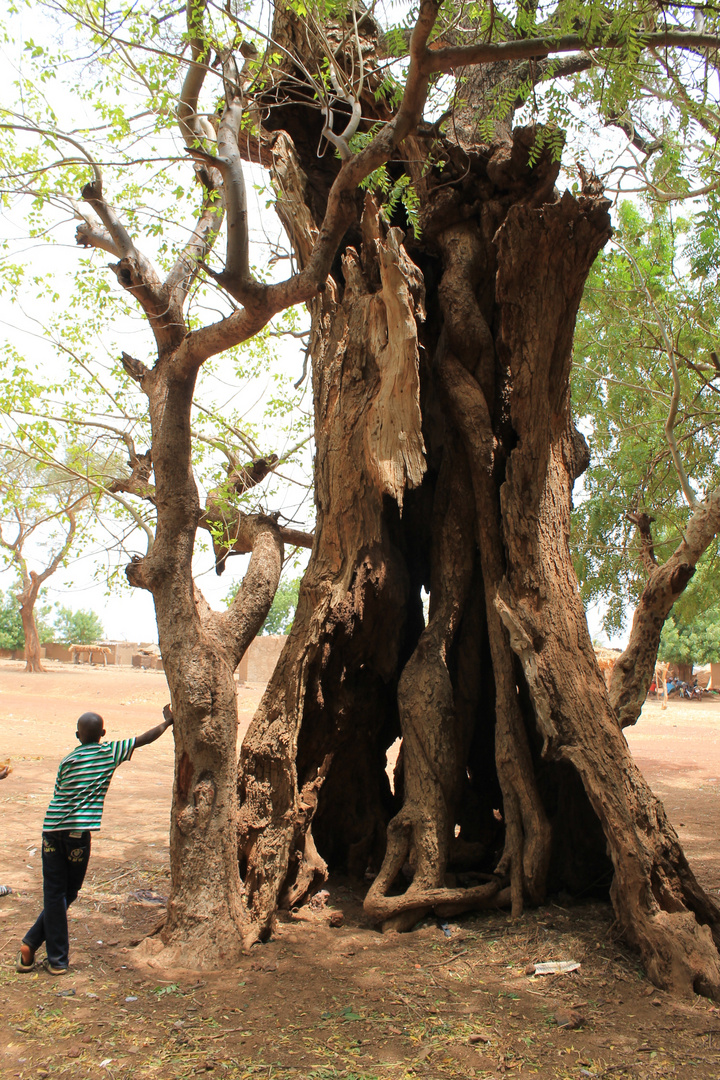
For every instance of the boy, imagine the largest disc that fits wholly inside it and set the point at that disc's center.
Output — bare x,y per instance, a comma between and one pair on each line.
74,812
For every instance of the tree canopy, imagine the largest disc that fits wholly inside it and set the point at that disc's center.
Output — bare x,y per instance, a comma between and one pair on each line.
647,290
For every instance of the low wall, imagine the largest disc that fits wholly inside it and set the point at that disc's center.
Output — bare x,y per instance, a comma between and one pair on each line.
121,652
18,654
148,663
258,663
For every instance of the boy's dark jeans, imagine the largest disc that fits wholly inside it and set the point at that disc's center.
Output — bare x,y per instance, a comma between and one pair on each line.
65,857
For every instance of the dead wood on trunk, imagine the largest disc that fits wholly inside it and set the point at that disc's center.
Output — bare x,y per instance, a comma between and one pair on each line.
353,598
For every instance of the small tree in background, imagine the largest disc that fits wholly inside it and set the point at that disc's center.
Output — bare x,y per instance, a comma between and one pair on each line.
43,506
80,627
693,642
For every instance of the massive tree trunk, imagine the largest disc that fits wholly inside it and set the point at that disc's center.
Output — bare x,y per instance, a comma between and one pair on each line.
445,460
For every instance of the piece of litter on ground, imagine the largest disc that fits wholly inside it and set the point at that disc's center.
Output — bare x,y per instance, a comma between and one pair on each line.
131,998
89,994
559,967
446,929
5,890
105,1062
66,993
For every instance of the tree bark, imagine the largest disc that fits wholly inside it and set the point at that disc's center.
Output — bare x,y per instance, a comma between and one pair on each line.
353,600
634,669
26,598
445,456
207,921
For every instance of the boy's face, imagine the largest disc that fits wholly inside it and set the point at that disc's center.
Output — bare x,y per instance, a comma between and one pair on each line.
90,728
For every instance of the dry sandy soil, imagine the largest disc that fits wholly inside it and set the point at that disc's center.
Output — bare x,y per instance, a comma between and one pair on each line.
318,1002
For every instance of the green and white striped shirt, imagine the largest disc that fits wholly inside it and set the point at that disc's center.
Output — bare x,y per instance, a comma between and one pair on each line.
82,782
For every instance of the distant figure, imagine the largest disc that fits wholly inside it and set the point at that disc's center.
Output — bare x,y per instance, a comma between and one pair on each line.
74,812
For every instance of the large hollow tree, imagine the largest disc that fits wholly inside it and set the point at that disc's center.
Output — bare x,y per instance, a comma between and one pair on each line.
445,458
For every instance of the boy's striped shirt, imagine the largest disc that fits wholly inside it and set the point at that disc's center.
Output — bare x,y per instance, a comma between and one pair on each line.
82,782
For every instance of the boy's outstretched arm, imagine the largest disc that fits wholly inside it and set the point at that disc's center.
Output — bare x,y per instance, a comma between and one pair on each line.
155,732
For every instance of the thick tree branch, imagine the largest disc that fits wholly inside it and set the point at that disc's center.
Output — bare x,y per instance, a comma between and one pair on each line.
93,235
262,302
633,671
446,60
93,194
188,263
198,133
135,273
248,610
236,276
192,129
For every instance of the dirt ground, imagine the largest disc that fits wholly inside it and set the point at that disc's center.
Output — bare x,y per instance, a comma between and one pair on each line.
445,1001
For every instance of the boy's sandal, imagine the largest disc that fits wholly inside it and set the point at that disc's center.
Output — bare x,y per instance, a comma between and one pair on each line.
51,969
20,964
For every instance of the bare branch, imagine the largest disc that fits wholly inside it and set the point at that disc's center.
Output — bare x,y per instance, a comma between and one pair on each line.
262,302
198,133
93,194
642,523
90,235
192,129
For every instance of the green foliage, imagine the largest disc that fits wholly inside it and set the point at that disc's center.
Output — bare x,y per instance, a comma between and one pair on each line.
622,388
77,627
392,193
123,65
282,610
694,642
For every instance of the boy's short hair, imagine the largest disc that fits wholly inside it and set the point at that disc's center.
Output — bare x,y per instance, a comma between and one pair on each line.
90,727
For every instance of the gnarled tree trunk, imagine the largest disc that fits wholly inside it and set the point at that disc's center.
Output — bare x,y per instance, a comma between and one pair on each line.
513,772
